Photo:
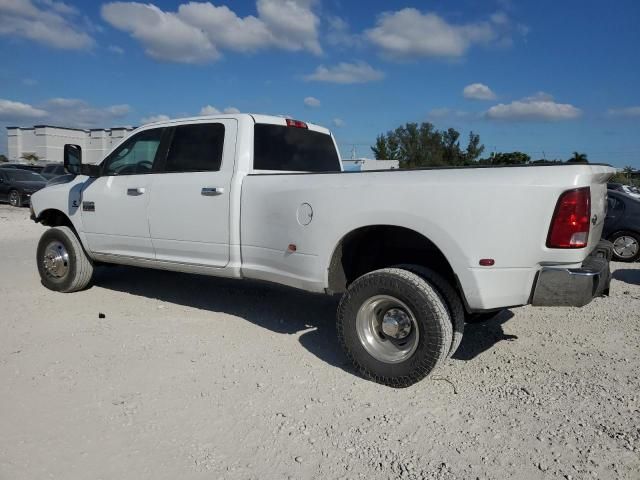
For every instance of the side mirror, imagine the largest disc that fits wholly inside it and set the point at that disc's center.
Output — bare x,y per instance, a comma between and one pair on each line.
90,170
72,158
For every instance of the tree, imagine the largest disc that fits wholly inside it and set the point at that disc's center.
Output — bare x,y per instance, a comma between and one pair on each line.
474,148
422,145
30,157
578,158
3,158
628,172
506,158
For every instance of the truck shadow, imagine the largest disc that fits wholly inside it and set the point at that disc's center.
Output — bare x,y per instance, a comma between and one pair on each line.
480,337
630,276
276,308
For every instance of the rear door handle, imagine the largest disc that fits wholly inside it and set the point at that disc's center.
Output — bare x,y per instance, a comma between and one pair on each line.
134,192
212,191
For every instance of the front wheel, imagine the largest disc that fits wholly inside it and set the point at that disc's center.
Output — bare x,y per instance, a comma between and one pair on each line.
626,246
15,199
394,326
62,262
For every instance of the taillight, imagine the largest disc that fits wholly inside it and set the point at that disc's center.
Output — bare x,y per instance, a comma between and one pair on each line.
296,123
570,222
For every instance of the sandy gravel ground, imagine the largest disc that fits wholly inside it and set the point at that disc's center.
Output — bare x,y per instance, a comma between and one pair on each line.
192,377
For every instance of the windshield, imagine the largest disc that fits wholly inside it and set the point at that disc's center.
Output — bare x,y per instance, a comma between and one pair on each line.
24,176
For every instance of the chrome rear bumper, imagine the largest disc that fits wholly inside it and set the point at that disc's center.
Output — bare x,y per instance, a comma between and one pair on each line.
574,287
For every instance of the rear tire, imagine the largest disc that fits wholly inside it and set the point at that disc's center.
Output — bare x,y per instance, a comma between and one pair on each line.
626,246
15,199
394,326
451,297
62,262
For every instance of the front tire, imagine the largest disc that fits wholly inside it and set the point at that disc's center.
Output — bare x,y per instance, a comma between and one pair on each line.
15,199
394,326
626,246
62,262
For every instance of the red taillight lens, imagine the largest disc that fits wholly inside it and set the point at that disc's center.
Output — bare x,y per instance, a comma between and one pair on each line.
570,222
296,123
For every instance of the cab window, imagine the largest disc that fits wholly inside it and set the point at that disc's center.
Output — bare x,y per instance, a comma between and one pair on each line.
136,155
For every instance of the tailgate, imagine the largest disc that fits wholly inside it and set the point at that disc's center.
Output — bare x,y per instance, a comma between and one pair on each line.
598,183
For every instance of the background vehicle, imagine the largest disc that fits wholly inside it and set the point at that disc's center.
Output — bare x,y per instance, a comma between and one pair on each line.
627,189
22,166
262,197
622,226
17,185
53,170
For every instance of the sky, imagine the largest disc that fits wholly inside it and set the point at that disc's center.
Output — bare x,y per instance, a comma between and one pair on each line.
543,77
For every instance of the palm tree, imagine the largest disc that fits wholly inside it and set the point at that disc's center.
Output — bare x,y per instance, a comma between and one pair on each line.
578,158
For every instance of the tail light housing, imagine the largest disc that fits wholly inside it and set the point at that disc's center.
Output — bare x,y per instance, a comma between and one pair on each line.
571,219
296,123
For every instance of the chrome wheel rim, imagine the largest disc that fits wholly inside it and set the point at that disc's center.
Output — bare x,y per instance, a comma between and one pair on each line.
55,260
387,329
625,246
13,198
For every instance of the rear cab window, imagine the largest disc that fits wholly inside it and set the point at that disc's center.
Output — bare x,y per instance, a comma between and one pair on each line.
293,149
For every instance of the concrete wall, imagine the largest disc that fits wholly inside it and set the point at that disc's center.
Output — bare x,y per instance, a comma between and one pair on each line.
47,142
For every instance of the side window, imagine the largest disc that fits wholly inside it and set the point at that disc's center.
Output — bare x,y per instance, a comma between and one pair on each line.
196,148
136,155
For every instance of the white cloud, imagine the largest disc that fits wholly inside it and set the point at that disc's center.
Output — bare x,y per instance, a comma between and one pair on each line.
627,112
17,111
358,72
68,112
46,23
478,91
445,113
311,102
339,34
197,32
540,106
338,122
211,110
115,49
154,119
408,33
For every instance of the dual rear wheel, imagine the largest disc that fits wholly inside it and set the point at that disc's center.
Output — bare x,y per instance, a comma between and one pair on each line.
399,324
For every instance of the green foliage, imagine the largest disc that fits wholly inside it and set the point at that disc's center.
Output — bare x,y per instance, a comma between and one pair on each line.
424,146
578,158
3,158
30,157
506,158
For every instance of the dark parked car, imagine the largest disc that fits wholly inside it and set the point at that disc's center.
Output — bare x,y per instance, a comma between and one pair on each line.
622,226
53,170
22,166
17,185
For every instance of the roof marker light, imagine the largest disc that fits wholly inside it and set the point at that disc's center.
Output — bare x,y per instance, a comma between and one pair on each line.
296,123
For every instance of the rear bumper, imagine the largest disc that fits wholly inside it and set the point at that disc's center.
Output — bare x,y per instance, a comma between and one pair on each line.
574,287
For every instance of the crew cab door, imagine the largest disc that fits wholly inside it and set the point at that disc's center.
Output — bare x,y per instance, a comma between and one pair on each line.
189,206
114,205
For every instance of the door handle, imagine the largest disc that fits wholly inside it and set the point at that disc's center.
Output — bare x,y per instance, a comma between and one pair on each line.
211,191
134,192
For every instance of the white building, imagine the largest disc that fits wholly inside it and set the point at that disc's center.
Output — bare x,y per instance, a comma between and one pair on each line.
48,142
360,164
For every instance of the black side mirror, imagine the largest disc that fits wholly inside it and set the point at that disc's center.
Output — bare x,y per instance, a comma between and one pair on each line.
72,158
90,170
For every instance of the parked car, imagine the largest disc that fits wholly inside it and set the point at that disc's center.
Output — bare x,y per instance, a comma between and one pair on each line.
17,185
263,197
622,226
22,166
53,170
628,189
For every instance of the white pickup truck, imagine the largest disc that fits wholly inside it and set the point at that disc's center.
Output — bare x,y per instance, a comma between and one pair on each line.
413,253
